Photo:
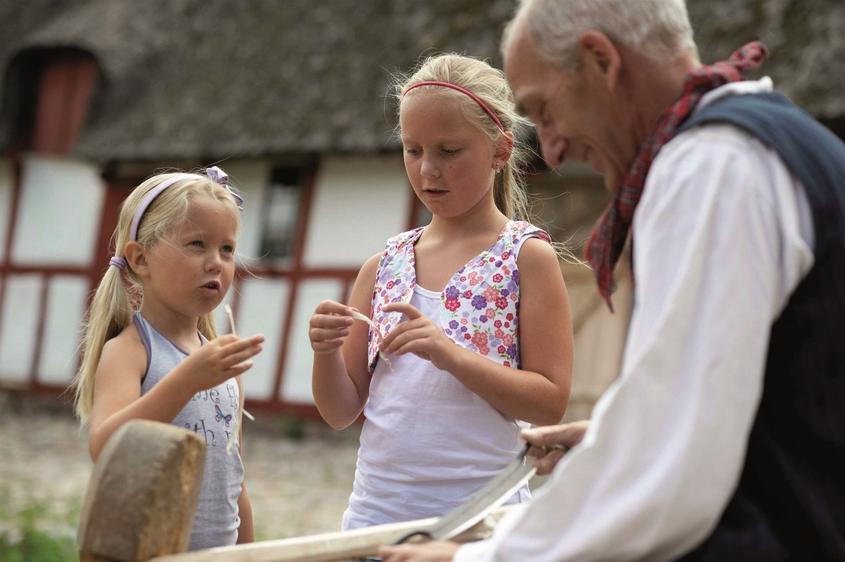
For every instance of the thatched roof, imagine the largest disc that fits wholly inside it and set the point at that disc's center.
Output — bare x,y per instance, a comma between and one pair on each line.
215,78
806,39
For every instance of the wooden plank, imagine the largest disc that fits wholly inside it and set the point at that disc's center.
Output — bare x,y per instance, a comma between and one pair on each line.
330,547
142,494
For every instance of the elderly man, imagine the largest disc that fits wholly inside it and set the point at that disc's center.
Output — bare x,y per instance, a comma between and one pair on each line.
724,436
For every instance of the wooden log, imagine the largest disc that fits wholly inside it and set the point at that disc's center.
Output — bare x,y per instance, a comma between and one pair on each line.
142,494
331,547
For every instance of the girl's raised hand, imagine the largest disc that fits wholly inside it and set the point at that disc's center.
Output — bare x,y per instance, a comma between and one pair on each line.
328,326
220,359
418,335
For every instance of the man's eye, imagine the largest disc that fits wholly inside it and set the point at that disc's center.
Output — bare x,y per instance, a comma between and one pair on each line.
450,151
409,150
544,115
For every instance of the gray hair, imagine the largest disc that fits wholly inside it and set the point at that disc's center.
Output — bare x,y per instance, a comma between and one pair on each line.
658,29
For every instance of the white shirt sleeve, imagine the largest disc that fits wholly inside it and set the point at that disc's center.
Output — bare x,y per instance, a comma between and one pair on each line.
722,236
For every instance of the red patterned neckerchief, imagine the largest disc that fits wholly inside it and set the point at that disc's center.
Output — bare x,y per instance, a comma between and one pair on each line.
610,232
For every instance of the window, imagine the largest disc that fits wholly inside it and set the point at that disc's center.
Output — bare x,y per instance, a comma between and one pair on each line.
280,215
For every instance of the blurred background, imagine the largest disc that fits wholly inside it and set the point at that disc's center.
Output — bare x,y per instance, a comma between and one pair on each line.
291,98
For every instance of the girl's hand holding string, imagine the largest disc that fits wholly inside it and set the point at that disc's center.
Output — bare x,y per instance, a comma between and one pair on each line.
329,326
220,359
419,335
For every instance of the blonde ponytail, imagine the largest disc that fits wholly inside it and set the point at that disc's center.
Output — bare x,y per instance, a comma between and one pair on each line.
110,312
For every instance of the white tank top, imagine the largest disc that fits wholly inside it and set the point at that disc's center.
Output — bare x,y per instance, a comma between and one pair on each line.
428,442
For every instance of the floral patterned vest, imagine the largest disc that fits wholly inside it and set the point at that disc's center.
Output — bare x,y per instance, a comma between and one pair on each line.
481,298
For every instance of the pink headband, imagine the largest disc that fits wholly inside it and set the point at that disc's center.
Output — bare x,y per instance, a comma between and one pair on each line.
463,90
213,173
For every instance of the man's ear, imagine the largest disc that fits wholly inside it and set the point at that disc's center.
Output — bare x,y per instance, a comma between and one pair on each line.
503,150
599,54
136,258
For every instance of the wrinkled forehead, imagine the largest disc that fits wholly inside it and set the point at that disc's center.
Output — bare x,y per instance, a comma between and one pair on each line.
518,45
527,73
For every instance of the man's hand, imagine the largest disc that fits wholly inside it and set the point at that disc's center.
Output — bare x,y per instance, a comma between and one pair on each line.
551,442
434,551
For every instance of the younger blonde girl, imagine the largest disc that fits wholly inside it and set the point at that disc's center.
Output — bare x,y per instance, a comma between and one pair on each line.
150,349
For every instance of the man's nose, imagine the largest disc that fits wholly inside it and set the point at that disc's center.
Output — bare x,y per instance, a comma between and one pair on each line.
553,147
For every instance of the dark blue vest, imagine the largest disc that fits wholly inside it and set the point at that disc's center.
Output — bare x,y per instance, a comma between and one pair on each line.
790,501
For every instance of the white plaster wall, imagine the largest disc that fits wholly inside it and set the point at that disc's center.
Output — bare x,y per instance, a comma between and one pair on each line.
6,187
59,215
65,309
599,337
261,309
251,178
296,385
359,202
19,325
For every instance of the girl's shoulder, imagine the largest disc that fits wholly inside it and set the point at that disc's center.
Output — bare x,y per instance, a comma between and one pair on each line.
125,352
397,249
513,238
128,338
521,230
401,240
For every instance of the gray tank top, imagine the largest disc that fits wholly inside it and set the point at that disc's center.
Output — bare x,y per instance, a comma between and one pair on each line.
212,415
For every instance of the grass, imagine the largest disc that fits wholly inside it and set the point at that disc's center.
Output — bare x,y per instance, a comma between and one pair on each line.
34,532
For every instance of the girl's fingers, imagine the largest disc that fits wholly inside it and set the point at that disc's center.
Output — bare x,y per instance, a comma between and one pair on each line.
322,334
330,321
411,333
332,307
327,345
408,310
418,347
236,370
239,357
417,341
225,339
402,328
242,344
241,351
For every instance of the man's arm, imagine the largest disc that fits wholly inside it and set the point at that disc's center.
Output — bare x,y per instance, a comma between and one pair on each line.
717,253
